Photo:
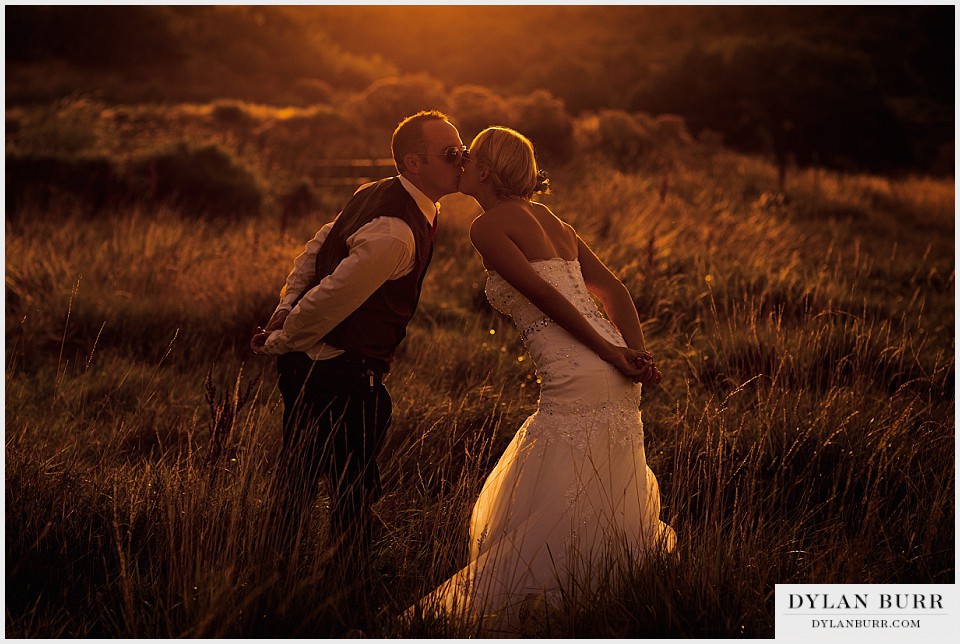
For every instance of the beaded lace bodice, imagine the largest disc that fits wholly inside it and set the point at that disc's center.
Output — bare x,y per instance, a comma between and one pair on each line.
578,389
564,275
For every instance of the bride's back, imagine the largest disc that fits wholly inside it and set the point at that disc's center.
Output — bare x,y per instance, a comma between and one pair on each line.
537,232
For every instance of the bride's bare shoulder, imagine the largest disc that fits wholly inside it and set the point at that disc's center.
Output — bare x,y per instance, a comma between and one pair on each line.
537,206
508,215
488,224
542,210
550,216
510,208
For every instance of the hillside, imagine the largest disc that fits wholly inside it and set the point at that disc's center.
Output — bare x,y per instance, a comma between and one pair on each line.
634,58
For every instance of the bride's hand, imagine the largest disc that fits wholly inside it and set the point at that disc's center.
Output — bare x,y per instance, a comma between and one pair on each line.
645,369
650,375
631,363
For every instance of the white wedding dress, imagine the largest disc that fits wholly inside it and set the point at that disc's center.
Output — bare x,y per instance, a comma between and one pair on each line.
571,498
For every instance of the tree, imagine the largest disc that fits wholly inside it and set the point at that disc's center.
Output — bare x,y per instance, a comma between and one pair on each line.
788,98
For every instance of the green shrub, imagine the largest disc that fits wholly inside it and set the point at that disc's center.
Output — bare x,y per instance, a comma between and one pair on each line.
70,126
544,120
198,180
389,100
626,140
231,114
622,139
91,182
473,107
296,202
297,141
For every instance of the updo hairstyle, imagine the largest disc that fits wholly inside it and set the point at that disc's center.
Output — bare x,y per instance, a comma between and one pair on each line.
510,158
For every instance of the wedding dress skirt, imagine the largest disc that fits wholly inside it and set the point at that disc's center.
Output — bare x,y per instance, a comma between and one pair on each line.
571,498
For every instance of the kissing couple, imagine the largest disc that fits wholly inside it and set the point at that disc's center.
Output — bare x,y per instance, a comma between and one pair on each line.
572,491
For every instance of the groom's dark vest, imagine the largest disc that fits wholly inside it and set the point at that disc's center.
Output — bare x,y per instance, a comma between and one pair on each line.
378,326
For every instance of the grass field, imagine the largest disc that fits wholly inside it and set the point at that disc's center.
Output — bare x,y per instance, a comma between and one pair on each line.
804,430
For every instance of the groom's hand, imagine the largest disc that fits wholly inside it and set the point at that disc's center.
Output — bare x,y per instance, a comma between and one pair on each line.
261,334
258,340
276,322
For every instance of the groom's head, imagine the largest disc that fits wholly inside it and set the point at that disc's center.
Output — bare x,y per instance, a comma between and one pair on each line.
427,150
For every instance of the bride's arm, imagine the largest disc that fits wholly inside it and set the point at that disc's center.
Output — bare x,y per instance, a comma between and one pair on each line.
613,295
501,254
616,301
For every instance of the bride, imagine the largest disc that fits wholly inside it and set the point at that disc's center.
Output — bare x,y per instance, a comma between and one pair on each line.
571,498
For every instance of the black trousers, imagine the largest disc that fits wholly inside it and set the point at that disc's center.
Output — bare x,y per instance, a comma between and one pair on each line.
335,419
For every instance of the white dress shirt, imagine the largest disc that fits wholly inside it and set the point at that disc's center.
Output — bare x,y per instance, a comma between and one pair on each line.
381,250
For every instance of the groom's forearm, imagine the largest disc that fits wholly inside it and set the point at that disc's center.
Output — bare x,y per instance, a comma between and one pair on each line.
372,261
304,270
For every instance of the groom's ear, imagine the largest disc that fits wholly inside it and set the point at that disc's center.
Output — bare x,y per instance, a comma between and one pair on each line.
411,162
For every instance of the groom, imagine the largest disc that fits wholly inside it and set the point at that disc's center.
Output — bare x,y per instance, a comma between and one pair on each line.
342,314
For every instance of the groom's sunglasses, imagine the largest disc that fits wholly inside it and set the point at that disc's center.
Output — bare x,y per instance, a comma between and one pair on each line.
453,155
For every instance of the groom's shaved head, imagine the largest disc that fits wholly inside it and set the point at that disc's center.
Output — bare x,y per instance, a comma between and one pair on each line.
409,137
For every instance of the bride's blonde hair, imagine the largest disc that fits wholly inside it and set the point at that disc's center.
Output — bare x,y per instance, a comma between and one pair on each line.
509,156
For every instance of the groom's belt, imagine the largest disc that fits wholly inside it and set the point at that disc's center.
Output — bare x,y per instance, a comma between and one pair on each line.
353,364
346,366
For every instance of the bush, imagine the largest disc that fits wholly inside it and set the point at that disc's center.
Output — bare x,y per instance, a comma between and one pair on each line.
296,202
204,180
622,138
230,114
44,180
314,90
672,128
473,107
388,101
626,140
544,120
71,126
296,142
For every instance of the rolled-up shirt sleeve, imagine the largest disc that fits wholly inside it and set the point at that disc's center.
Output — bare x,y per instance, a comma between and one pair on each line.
381,250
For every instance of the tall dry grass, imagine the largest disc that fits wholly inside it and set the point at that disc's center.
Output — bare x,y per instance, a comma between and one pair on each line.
804,431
